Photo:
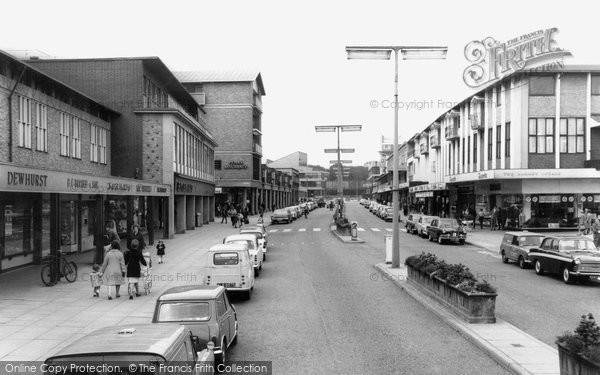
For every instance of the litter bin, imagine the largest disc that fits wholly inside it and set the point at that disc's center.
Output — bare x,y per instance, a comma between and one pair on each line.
388,248
354,230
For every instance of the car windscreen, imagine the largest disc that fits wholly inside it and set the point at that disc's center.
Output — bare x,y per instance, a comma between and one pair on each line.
248,242
448,223
226,259
531,240
184,312
257,233
570,245
280,212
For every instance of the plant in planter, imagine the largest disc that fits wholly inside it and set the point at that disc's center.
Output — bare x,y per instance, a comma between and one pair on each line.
579,352
342,225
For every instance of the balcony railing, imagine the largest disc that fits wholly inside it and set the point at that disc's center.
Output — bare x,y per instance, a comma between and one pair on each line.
452,132
476,121
424,148
434,141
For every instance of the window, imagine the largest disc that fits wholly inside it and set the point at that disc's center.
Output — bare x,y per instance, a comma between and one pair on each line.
572,135
507,140
221,307
433,166
98,144
469,150
102,145
218,165
490,143
75,138
64,134
541,135
498,95
498,140
475,149
93,144
595,85
541,86
24,122
41,126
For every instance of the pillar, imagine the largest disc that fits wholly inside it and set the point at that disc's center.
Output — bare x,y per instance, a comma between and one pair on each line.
208,209
180,213
190,212
199,211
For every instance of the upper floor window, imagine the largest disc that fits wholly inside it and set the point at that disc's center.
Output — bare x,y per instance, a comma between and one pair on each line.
24,122
595,85
75,138
154,96
98,137
541,135
490,142
498,95
541,85
572,135
41,126
498,141
507,139
475,149
65,131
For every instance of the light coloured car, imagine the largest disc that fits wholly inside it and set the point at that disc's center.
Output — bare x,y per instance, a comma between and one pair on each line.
230,266
281,215
262,242
388,214
423,223
293,211
255,250
515,247
411,223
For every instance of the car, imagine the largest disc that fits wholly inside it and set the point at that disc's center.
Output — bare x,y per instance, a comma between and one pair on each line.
411,223
321,202
203,309
446,229
422,223
262,243
254,248
380,210
515,247
388,214
126,345
374,207
258,228
230,266
281,215
572,257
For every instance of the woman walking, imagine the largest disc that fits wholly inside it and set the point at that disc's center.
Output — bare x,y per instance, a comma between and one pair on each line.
136,235
133,259
113,269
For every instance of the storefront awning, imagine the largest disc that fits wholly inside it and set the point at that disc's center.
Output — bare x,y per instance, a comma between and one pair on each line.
428,187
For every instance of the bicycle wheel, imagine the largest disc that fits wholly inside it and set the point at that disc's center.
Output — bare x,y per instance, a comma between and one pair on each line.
70,271
47,276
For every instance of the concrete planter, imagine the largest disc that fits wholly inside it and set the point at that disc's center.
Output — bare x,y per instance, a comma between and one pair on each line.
471,307
573,364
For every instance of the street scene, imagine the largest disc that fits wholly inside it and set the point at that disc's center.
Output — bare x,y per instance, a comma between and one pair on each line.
185,190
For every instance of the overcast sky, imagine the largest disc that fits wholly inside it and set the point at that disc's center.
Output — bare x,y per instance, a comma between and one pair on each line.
299,49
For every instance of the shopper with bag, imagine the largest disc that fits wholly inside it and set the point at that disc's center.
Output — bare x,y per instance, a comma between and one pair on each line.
113,269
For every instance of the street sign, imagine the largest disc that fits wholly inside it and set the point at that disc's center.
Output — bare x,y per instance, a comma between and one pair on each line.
341,161
331,150
347,150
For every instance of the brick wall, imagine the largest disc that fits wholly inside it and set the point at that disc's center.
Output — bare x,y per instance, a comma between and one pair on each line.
573,93
153,148
572,160
231,128
228,92
541,161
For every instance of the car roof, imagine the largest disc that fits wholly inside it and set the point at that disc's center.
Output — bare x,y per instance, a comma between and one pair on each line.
240,236
569,237
145,338
191,292
229,247
252,227
525,234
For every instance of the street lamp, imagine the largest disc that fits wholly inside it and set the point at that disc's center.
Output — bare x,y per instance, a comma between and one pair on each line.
384,53
338,150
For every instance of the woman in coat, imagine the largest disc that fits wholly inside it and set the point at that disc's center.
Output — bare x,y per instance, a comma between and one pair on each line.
133,259
113,269
136,235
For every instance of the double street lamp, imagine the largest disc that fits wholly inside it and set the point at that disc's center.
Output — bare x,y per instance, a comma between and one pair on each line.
338,150
384,53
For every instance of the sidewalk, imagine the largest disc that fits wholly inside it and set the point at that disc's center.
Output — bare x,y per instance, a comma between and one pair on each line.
518,351
37,321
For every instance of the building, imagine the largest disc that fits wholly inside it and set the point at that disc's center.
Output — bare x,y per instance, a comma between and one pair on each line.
279,187
528,144
233,105
56,187
313,181
161,135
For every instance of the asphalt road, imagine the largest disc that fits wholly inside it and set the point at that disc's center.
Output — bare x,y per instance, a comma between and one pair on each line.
319,307
542,306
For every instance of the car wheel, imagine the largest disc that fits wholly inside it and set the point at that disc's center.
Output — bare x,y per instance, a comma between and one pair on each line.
430,238
256,272
504,258
566,276
538,268
522,263
440,241
223,356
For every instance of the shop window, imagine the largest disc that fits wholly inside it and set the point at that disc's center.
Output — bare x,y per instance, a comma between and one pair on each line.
18,228
541,86
541,135
572,135
116,214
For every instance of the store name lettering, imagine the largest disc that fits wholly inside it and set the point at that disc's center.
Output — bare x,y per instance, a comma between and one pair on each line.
183,187
143,189
161,190
113,186
28,179
75,184
236,165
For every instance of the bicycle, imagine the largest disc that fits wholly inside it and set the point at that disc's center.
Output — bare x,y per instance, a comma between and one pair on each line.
55,267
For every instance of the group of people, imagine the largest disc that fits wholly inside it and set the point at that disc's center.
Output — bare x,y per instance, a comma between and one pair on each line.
237,214
133,263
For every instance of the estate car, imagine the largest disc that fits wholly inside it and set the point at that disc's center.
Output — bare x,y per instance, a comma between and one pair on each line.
516,246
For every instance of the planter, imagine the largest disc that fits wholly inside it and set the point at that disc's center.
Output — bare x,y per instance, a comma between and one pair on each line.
471,307
574,364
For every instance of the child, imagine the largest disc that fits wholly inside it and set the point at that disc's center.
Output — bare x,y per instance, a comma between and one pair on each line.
145,272
96,280
160,251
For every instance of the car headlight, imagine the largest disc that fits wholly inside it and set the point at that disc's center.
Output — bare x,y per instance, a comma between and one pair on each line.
577,261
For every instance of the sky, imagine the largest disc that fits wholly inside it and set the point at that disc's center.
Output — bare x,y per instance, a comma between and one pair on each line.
299,48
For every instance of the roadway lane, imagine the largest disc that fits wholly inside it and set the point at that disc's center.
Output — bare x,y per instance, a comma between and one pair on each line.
319,307
543,306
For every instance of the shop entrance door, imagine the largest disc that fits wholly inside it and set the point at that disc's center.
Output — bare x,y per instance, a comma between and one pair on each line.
69,226
88,224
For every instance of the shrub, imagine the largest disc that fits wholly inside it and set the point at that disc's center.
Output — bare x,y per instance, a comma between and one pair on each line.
585,341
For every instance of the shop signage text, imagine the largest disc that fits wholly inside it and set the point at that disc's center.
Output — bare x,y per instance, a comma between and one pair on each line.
115,186
26,179
236,165
182,187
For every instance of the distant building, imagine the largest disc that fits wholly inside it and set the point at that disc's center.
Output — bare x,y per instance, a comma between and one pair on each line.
313,181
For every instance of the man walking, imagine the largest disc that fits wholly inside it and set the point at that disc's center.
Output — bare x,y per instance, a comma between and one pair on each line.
596,232
224,213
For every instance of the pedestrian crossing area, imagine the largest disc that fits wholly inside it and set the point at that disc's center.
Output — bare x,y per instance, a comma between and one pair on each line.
360,229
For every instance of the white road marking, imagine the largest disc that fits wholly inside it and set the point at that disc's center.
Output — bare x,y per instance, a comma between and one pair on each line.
316,229
361,229
389,229
273,230
287,230
497,256
302,230
376,229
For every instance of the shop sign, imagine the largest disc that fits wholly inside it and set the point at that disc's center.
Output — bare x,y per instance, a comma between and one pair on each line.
428,187
549,198
182,187
236,165
424,194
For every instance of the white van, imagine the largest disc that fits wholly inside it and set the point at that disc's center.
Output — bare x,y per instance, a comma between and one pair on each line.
230,266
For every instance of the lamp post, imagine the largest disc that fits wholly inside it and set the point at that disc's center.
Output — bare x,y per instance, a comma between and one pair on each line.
338,150
384,53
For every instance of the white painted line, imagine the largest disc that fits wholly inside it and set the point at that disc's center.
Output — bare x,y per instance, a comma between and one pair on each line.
302,230
389,229
316,229
273,230
376,229
287,230
490,254
361,229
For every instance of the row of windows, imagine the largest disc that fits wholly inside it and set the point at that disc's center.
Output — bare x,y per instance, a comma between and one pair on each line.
191,156
546,85
571,133
154,96
70,131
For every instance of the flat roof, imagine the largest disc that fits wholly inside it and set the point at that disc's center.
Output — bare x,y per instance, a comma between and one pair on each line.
191,292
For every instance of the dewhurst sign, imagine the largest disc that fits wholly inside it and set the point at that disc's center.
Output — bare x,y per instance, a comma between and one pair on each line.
492,60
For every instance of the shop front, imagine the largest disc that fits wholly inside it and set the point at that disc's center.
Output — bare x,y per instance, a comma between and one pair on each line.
194,203
431,199
44,211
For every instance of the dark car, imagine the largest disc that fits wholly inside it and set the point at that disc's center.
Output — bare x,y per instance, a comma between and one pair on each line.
321,202
411,223
515,246
446,229
574,257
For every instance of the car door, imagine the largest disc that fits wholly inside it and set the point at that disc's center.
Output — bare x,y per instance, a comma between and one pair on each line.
554,261
222,319
231,317
545,259
514,248
432,229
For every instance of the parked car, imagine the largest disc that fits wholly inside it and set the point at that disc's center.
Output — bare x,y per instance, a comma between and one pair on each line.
231,267
255,250
203,309
281,215
380,210
573,257
411,223
374,208
258,228
133,344
421,225
321,202
293,212
388,214
446,229
262,244
515,246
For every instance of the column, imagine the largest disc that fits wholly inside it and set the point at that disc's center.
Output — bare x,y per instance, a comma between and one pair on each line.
208,207
557,123
486,113
588,117
199,211
99,229
502,127
494,123
180,214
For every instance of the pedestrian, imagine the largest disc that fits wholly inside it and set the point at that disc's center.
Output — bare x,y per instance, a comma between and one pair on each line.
224,209
245,213
502,216
110,235
133,259
588,221
494,219
96,279
160,251
481,217
240,218
233,216
113,269
261,212
305,211
596,232
136,235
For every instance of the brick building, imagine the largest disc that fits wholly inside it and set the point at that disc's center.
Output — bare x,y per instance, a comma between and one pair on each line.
311,180
160,136
233,105
529,143
56,189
